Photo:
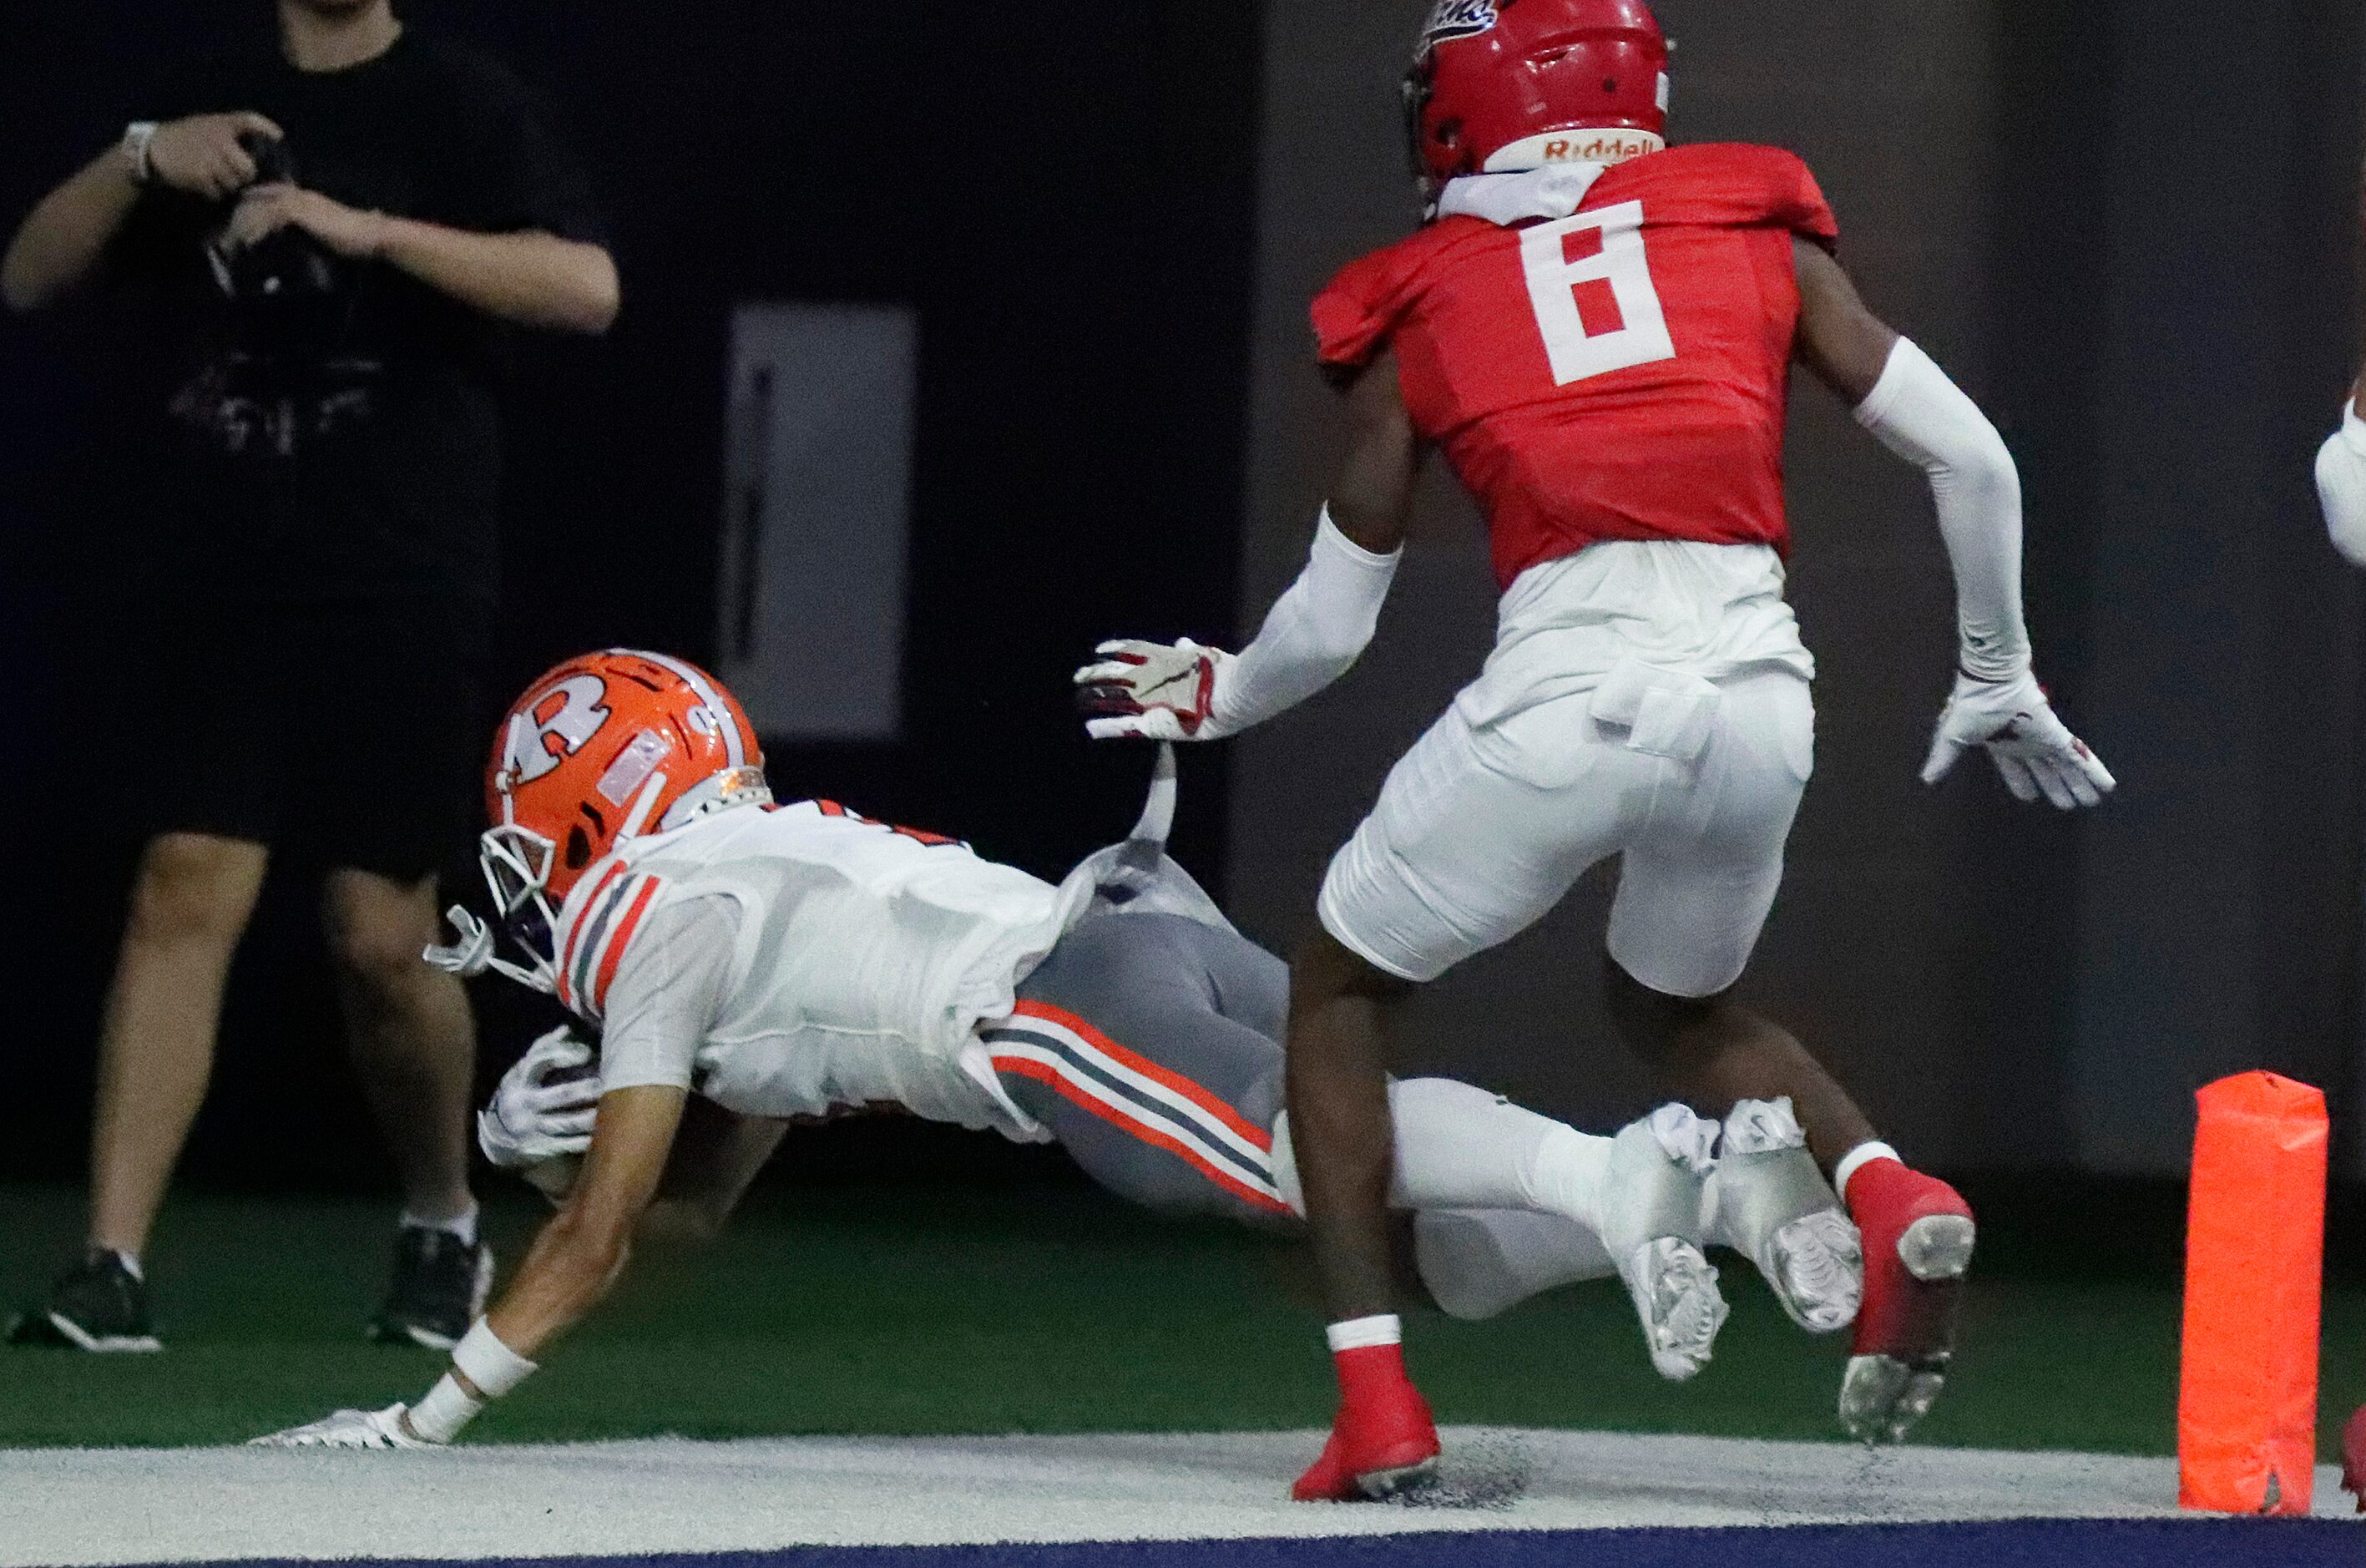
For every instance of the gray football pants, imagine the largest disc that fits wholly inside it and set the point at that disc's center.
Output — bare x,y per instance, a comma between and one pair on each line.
1151,1047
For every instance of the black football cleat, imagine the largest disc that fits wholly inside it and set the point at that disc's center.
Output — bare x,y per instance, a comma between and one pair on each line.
439,1286
99,1305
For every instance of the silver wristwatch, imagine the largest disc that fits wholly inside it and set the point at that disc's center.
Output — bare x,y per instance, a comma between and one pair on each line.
136,139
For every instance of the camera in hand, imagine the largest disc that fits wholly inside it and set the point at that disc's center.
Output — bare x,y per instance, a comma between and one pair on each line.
289,272
285,376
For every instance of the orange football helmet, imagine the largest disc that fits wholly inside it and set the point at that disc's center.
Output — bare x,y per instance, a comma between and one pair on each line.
600,749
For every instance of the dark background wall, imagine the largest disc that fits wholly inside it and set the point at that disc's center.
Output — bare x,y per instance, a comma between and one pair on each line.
1077,245
2130,235
2129,232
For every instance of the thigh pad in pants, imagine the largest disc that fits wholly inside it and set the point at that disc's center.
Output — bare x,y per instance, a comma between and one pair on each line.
1149,1045
1479,833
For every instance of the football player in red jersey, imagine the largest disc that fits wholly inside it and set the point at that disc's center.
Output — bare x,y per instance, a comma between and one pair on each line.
1597,332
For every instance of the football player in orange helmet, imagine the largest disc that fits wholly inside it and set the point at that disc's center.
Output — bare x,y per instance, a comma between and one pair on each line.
749,965
603,748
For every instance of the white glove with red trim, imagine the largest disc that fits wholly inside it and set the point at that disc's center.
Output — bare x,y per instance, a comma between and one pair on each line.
2031,747
1158,691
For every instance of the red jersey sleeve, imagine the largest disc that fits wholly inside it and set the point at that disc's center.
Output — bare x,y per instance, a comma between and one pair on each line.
1757,184
1361,306
1800,201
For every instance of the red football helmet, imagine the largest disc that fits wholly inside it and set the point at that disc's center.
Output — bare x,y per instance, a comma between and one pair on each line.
600,749
1499,86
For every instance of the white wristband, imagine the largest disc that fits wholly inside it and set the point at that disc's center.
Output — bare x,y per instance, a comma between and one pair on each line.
136,139
484,1361
444,1412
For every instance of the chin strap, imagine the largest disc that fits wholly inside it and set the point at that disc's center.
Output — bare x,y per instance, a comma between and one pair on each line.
474,954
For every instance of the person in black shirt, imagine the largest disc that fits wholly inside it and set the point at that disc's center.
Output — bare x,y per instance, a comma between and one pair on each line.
321,247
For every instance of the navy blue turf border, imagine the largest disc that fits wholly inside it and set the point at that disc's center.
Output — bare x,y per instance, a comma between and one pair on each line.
2014,1543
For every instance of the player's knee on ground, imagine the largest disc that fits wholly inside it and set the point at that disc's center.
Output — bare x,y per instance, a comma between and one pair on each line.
193,889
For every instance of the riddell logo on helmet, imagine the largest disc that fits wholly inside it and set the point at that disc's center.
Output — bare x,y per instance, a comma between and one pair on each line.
1608,144
1458,18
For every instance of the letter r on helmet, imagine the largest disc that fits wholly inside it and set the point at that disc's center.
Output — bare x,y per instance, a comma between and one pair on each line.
555,726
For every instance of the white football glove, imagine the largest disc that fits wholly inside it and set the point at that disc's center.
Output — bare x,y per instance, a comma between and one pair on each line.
2032,748
1158,691
350,1430
532,1119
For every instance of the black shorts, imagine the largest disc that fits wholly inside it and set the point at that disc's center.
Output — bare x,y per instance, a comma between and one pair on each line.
349,733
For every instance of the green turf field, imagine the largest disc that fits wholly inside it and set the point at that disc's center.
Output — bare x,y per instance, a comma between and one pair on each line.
969,1307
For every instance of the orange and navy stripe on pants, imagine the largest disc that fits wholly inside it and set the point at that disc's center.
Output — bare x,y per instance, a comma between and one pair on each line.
1158,1106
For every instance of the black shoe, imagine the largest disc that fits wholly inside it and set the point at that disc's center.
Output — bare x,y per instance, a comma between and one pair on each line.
440,1285
99,1305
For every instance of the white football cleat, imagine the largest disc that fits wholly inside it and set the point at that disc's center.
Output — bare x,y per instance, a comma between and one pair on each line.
1675,1295
1767,1201
1651,1201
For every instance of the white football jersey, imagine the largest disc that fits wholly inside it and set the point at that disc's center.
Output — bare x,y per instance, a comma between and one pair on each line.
866,954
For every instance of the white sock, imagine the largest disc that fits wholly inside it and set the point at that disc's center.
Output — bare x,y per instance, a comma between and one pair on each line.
1856,1159
462,1224
1364,1333
1461,1147
1477,1262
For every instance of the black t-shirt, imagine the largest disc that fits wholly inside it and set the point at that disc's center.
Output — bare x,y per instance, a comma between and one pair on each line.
348,444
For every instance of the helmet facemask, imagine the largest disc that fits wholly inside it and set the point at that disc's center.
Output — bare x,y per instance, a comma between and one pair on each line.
516,862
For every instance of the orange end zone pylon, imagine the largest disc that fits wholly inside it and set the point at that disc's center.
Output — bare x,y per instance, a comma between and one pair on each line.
2254,1287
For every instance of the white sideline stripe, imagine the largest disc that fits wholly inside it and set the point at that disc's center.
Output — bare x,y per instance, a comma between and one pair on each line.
1181,1133
77,1508
1151,1086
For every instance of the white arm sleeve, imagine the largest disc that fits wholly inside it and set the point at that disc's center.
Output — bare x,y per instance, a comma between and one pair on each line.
2341,485
1926,419
1313,634
669,990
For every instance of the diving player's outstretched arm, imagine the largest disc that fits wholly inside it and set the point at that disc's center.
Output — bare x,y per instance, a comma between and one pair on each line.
579,1254
1910,405
1314,631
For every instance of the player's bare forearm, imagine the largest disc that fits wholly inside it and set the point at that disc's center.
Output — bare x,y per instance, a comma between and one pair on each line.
1372,502
587,1243
62,238
535,279
1840,342
1341,1135
572,1264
